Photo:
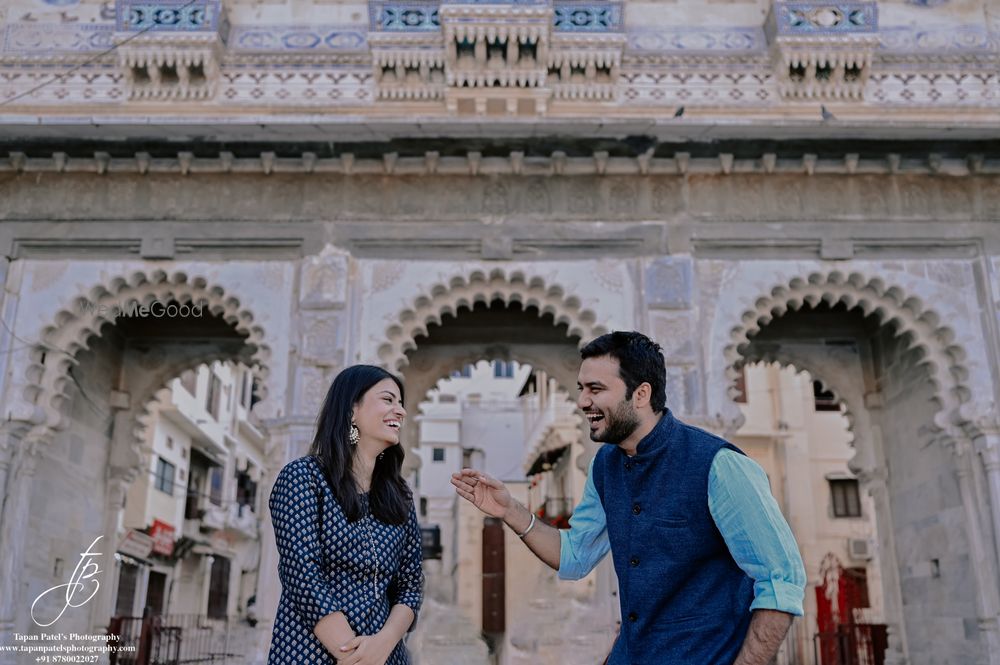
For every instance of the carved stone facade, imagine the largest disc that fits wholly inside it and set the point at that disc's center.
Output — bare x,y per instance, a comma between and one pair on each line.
514,58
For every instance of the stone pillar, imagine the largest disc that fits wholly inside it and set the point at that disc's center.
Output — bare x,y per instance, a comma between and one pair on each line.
13,534
987,600
123,466
285,439
988,447
874,477
6,461
102,605
874,481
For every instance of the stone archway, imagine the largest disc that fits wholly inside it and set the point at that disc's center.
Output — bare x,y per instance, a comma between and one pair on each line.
560,324
904,381
134,353
481,286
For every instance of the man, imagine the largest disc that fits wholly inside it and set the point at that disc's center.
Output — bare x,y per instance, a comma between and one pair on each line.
708,570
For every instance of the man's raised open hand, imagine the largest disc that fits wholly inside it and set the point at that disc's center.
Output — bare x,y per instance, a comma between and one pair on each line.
483,491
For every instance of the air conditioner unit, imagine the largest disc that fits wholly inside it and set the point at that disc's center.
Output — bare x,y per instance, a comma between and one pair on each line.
859,548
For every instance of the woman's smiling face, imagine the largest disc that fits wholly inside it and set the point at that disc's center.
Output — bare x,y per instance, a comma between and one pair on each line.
380,413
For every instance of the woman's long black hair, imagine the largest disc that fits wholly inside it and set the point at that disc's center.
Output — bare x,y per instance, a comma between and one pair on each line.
389,496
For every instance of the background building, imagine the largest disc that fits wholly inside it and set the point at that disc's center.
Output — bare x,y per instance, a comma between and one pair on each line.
191,525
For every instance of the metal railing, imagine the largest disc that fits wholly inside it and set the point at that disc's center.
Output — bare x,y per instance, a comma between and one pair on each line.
180,639
851,644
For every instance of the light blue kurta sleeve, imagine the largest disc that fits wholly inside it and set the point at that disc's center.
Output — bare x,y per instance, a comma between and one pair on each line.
585,542
758,537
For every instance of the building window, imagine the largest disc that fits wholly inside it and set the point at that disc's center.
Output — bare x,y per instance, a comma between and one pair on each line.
245,389
846,497
464,373
503,369
438,455
128,581
218,588
741,387
824,399
215,485
246,491
164,476
423,506
156,591
170,443
213,396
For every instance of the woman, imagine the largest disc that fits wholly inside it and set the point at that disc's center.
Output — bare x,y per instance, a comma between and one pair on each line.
348,541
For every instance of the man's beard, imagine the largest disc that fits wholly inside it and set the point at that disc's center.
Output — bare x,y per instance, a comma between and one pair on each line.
622,422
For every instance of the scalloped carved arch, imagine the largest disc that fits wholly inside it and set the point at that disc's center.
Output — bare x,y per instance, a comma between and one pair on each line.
481,286
74,326
917,326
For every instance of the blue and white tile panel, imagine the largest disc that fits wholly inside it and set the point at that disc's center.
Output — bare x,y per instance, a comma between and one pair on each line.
297,38
825,18
168,15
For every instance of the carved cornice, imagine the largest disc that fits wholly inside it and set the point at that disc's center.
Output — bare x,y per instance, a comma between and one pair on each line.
473,163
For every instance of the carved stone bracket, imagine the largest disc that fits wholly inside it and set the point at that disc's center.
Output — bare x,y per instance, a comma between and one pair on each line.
170,49
498,58
822,49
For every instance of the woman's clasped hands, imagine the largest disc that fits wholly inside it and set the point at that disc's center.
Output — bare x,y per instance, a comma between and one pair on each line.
366,650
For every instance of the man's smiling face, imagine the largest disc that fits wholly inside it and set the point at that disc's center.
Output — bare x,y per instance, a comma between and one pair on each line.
611,416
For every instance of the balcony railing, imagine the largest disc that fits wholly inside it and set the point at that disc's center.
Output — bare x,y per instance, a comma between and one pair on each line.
556,512
180,639
851,644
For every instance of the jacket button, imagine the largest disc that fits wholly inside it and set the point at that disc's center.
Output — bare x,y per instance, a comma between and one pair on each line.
632,617
628,465
634,561
636,509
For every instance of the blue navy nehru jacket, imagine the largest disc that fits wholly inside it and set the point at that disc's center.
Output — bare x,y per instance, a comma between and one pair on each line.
685,599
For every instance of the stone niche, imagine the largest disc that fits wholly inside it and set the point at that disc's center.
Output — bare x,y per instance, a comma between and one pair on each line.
822,50
170,49
496,58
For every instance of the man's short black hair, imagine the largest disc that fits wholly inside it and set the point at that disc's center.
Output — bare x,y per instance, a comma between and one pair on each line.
640,360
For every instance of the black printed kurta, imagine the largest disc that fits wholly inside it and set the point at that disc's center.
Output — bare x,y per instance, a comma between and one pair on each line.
325,566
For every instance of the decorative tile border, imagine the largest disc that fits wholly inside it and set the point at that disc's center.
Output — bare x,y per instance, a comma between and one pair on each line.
495,2
587,17
320,87
413,16
734,40
168,15
55,38
825,18
960,38
297,38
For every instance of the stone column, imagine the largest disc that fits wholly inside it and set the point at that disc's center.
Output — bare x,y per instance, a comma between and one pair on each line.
874,477
987,600
988,446
286,438
123,466
102,605
874,481
6,461
13,534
